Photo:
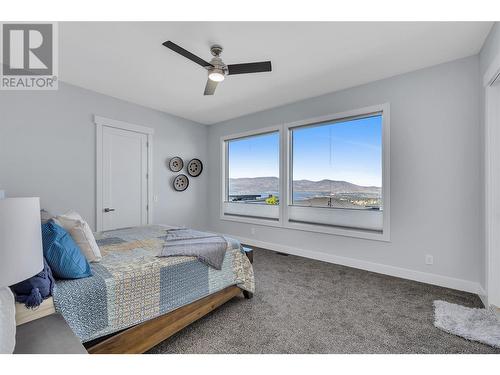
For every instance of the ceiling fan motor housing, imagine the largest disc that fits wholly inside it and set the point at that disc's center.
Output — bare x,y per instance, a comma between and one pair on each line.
218,66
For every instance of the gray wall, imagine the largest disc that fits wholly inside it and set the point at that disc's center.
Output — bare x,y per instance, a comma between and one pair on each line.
435,172
47,149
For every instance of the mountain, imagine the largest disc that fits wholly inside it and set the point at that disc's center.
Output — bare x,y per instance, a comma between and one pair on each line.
333,187
270,184
253,185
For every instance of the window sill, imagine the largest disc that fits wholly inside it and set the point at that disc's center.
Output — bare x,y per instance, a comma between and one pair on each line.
251,220
316,228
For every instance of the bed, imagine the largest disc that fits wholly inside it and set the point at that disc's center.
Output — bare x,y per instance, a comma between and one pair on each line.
135,299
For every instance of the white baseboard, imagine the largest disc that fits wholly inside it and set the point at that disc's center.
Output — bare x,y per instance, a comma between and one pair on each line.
404,273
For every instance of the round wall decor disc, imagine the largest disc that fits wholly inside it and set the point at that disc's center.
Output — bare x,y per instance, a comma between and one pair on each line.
175,164
181,182
195,167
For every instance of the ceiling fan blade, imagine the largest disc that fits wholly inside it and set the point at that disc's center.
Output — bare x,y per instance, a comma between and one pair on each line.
210,87
256,67
181,51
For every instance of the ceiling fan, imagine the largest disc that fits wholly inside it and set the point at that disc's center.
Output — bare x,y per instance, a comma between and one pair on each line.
217,70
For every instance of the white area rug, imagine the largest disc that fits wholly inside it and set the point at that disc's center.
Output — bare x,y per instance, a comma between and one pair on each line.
480,325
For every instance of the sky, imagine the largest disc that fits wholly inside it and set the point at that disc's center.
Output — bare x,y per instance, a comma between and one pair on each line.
348,151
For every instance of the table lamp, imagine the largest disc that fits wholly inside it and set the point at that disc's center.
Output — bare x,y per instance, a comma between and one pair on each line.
21,256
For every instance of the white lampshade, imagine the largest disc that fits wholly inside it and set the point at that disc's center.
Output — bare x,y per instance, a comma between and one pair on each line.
21,253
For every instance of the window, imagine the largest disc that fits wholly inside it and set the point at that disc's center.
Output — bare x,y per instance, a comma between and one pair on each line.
334,176
336,172
252,176
338,164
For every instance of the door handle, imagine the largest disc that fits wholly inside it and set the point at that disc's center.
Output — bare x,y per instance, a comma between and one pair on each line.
108,209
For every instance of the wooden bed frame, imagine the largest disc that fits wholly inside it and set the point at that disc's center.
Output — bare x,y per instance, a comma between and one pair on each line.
142,337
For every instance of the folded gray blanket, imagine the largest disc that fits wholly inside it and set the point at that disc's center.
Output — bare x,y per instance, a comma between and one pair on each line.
207,247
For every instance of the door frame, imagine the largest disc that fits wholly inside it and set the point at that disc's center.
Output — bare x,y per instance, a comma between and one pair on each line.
100,123
491,83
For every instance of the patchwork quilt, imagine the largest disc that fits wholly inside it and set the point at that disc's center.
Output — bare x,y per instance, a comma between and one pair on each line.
131,284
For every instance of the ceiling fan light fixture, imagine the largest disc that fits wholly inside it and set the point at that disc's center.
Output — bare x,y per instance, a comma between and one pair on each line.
216,75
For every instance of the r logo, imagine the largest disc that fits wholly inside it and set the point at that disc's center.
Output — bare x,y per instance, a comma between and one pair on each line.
27,49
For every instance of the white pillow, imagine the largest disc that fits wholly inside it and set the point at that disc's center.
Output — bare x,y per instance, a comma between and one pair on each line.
81,233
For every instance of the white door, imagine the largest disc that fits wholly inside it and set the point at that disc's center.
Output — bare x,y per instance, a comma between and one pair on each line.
124,178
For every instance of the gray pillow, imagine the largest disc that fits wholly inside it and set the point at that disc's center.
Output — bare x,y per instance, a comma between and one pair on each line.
45,216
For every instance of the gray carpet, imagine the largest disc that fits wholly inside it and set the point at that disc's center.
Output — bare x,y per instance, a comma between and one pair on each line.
308,306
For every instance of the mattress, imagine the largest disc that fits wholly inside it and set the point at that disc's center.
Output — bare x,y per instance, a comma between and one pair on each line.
131,284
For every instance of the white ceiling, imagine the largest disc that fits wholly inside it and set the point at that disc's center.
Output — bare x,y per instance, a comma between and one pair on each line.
127,60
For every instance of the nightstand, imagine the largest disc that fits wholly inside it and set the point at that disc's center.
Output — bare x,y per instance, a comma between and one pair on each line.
48,335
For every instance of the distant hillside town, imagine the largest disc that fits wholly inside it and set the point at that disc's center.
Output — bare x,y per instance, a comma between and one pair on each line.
324,193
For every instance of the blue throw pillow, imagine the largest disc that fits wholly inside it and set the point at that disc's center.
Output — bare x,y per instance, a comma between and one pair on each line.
62,253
